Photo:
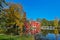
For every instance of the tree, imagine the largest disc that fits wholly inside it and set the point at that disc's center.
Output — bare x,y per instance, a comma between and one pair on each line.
44,22
56,22
3,20
59,23
1,4
16,15
56,25
38,19
51,23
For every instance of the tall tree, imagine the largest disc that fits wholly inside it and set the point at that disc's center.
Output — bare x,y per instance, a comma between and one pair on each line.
1,4
16,16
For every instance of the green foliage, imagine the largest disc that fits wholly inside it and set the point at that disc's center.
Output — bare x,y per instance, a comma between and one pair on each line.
3,20
51,23
44,22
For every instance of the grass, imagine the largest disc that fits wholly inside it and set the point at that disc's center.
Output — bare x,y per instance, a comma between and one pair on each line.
10,37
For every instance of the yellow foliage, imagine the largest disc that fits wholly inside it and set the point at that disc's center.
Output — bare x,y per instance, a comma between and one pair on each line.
55,23
56,31
16,15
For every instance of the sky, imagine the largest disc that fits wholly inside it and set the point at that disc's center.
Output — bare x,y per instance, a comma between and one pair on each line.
34,9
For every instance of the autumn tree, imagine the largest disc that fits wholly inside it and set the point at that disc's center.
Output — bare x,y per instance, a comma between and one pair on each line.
56,25
56,22
16,15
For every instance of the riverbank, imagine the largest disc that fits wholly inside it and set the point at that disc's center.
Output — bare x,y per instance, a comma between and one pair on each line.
10,37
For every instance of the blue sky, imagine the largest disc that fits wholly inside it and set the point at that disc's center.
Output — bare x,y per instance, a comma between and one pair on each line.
34,9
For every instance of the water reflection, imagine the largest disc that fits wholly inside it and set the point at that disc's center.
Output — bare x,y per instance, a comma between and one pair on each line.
49,36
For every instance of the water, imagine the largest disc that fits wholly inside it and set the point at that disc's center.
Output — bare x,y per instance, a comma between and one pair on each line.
52,36
49,36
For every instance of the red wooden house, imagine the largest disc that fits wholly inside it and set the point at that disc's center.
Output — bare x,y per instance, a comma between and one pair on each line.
35,27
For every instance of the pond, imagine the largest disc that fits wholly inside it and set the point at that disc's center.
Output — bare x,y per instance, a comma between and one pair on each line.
49,36
52,36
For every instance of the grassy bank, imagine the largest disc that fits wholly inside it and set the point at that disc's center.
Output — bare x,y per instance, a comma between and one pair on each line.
10,37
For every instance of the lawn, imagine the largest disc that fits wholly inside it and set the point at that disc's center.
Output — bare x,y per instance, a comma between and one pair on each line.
10,37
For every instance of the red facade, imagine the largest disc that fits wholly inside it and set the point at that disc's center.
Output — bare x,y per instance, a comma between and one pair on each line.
35,27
